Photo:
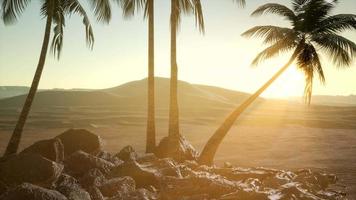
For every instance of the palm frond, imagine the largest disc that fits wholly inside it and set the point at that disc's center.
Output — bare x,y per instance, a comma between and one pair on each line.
73,6
275,8
241,3
337,23
12,9
308,61
199,17
340,49
130,7
280,46
270,34
310,15
58,30
102,10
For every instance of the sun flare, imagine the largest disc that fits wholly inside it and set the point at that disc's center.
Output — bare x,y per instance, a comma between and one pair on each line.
290,83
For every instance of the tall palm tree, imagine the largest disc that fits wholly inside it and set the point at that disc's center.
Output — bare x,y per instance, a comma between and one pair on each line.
177,8
129,7
54,11
313,30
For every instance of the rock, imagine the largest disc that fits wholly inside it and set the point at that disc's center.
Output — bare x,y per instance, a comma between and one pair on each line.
93,177
201,183
31,168
73,192
239,174
27,191
127,153
95,193
319,181
66,180
143,176
227,165
51,149
118,187
179,151
246,195
70,188
80,163
149,157
3,188
79,139
148,173
108,157
141,194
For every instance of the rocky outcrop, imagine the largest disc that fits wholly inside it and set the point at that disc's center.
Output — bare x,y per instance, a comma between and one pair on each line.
94,174
79,139
27,191
31,168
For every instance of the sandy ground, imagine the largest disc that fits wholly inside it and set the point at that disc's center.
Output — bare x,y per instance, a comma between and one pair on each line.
291,147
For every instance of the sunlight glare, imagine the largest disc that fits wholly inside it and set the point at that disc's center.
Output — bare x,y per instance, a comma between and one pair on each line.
290,83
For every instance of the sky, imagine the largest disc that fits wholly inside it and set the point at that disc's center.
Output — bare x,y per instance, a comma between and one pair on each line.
220,57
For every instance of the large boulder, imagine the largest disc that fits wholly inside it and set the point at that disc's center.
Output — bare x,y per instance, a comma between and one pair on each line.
118,187
31,168
27,191
51,149
80,139
177,148
81,162
127,153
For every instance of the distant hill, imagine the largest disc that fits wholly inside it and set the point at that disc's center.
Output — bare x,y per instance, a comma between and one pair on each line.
10,91
133,94
198,104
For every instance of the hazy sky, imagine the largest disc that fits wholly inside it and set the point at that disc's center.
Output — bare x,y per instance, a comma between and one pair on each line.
221,57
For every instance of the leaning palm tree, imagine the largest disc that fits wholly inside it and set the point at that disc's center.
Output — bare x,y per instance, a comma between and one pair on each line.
129,8
54,11
313,30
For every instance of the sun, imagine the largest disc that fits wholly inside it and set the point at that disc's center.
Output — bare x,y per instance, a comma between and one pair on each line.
290,83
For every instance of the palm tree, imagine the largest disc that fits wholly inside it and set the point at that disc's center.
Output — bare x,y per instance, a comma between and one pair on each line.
313,30
54,12
129,7
177,8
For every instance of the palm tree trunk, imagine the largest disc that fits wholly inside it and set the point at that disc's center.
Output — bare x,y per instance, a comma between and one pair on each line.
207,155
151,126
173,104
14,142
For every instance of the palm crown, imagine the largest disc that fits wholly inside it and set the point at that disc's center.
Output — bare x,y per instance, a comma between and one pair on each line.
313,29
58,9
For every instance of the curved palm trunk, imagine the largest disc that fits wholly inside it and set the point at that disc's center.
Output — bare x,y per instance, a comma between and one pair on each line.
14,142
173,104
151,126
208,153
